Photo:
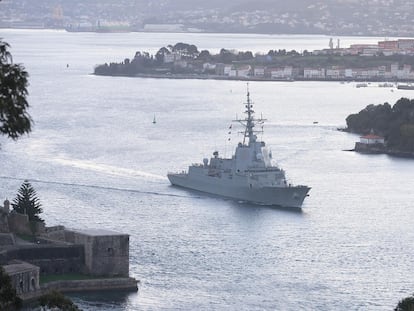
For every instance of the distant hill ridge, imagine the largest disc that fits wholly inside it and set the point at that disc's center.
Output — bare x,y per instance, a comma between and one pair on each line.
341,17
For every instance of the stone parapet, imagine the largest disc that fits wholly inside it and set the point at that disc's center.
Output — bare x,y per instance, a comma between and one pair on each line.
91,285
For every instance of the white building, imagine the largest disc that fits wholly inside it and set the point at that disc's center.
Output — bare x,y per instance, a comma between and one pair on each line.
335,73
348,73
281,73
259,71
227,69
244,71
371,139
314,73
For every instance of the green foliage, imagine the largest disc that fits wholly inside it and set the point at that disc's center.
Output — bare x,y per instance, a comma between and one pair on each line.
8,298
14,119
395,123
144,63
407,304
185,49
55,299
27,202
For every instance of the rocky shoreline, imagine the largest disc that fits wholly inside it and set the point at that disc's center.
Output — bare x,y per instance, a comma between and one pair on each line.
90,285
377,148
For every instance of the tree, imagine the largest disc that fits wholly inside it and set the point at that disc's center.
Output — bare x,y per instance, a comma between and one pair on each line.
226,56
160,54
407,304
204,55
8,296
395,123
27,202
185,49
55,299
14,119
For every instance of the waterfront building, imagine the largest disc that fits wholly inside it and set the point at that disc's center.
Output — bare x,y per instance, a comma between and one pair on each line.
405,44
391,45
314,73
335,72
281,73
227,69
371,139
360,48
259,71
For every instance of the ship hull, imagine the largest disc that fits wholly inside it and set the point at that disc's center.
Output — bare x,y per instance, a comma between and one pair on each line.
236,188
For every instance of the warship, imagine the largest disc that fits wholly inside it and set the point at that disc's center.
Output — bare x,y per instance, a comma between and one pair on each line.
248,175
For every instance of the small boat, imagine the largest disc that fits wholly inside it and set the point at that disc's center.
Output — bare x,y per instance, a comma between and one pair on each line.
361,85
154,120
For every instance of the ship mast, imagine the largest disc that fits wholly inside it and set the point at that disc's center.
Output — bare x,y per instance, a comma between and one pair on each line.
249,122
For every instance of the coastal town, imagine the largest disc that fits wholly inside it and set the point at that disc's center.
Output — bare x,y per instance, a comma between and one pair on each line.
369,17
388,60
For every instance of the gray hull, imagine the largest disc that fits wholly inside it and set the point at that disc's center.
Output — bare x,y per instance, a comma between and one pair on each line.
237,188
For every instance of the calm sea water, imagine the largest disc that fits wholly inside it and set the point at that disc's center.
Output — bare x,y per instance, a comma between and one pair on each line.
97,161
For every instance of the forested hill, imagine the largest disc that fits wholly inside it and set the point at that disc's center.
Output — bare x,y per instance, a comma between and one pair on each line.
395,123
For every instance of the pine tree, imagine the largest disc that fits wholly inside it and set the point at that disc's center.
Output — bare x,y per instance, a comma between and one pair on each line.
27,202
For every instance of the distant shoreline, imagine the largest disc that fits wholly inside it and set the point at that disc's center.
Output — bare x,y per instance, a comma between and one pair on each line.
221,77
376,148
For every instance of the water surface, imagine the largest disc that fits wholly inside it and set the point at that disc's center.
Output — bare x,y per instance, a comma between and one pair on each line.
97,161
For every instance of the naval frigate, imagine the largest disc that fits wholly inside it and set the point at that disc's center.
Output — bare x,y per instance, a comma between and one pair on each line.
248,175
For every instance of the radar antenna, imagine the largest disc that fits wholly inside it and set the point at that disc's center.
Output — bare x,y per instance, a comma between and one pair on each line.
249,122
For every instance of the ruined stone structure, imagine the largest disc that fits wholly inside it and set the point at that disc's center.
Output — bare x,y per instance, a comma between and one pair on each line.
24,277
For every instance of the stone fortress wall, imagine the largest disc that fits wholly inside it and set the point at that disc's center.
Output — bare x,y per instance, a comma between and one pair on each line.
56,251
106,252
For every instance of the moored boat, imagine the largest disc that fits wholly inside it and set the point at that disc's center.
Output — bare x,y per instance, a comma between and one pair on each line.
405,87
